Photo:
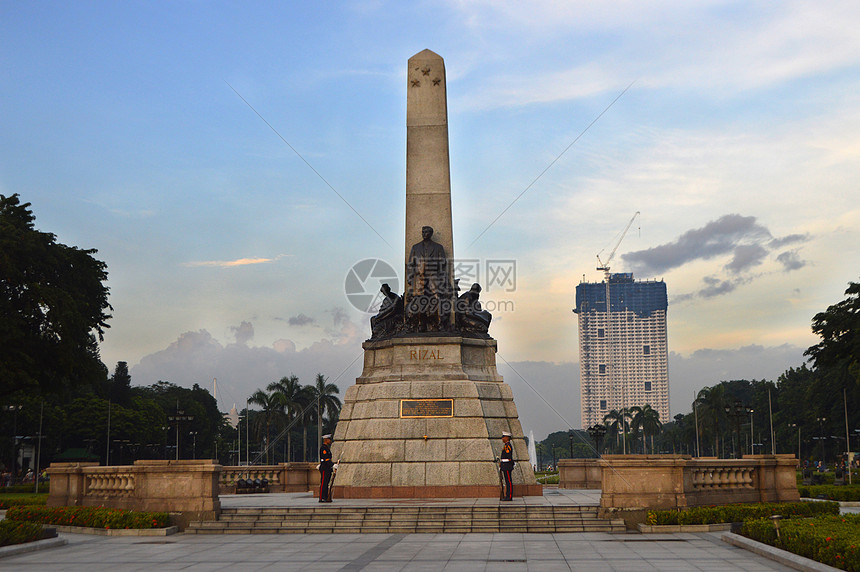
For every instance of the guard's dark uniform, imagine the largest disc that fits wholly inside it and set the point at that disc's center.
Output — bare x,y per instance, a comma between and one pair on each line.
326,466
507,467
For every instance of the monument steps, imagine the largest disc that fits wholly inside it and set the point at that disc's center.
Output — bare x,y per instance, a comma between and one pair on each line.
407,519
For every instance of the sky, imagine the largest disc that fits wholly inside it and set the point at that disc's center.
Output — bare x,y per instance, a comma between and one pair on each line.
231,162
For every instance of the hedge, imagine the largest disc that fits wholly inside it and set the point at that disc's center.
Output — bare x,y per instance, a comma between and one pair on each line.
93,517
19,532
43,488
739,512
832,492
831,540
22,501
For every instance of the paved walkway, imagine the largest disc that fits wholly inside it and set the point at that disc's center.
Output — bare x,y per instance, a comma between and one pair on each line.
592,552
551,496
393,552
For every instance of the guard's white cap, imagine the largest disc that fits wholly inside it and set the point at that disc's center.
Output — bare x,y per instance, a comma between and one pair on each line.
506,434
327,436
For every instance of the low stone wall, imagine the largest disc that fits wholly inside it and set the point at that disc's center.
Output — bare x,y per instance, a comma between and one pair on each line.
283,478
189,489
579,474
632,484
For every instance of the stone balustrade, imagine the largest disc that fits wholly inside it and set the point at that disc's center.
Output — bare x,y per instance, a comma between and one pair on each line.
283,478
187,489
579,474
677,481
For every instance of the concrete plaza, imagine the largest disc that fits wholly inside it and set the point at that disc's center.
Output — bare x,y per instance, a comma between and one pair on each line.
392,552
589,551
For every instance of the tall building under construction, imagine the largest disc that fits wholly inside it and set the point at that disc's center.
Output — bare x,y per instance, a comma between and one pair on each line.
623,350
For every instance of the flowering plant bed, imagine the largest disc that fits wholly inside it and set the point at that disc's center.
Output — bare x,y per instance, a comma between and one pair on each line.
12,532
831,540
739,512
92,517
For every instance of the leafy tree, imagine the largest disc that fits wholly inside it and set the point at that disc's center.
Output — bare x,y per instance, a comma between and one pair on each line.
324,394
647,419
839,329
288,393
119,384
711,407
616,422
53,306
269,404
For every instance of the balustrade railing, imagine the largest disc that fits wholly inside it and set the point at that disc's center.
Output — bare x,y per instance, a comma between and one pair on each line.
722,477
109,484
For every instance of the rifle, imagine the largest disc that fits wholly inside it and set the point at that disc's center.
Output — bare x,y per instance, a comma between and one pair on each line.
333,475
498,463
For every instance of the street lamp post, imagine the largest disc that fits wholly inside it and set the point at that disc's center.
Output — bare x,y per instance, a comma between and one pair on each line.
14,409
798,439
596,432
752,433
570,436
194,446
737,411
821,421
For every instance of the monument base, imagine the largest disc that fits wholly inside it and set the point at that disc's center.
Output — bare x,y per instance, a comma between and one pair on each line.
425,420
437,492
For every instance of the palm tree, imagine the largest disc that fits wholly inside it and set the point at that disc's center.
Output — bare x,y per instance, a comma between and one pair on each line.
647,419
269,403
287,391
616,423
711,403
326,402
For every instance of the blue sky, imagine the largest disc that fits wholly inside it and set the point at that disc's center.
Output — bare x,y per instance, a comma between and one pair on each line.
227,254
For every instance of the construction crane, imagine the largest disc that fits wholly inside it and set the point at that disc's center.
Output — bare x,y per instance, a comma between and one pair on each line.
605,265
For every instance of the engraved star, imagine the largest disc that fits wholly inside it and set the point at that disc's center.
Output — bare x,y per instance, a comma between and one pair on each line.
436,81
415,83
426,71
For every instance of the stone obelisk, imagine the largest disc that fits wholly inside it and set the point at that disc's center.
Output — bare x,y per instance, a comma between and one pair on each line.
428,174
426,416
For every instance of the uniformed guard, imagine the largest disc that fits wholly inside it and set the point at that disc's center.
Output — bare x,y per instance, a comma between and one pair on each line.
326,466
506,465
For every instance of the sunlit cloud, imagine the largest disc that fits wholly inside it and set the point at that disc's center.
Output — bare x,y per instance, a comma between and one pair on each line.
237,262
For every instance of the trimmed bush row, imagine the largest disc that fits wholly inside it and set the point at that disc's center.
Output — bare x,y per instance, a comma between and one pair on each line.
93,517
840,493
22,501
19,532
831,540
43,488
740,512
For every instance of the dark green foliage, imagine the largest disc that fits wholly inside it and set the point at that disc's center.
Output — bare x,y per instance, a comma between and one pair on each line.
831,540
92,517
31,500
836,493
53,307
19,532
739,512
839,329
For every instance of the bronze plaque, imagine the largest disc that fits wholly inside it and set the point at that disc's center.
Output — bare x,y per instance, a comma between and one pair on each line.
426,408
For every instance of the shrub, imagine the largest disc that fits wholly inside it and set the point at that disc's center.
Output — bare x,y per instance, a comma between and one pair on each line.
831,540
739,512
43,488
839,493
93,517
12,532
23,500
